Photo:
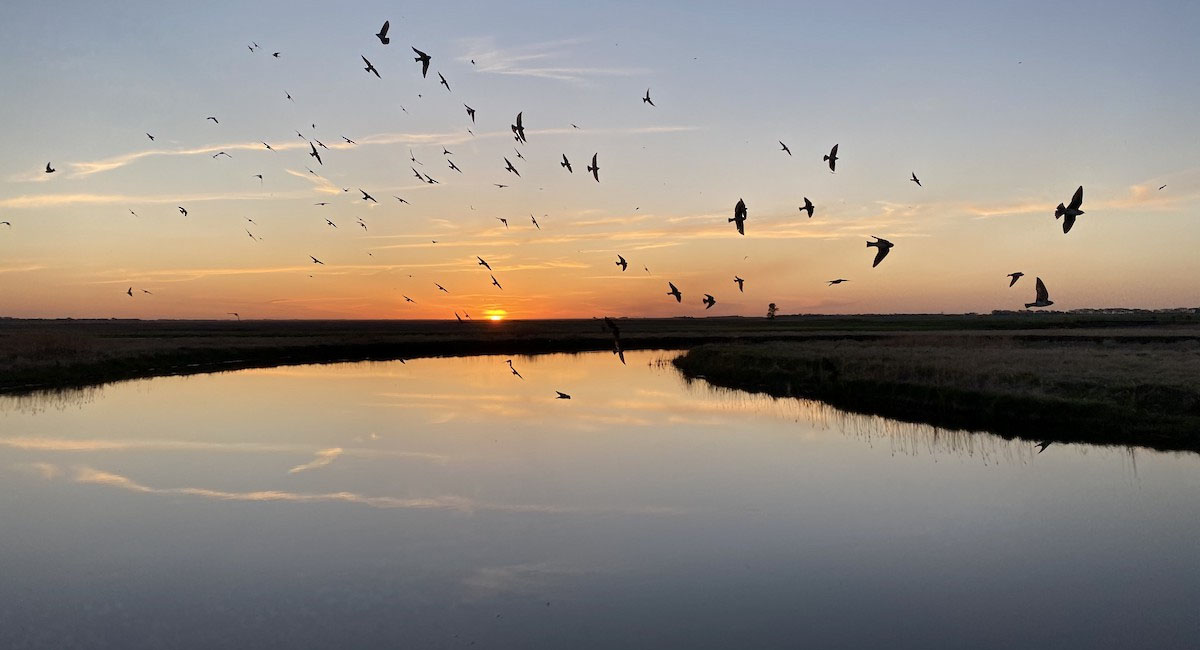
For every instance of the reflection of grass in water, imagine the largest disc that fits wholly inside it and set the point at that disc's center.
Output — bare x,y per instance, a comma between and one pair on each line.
1115,390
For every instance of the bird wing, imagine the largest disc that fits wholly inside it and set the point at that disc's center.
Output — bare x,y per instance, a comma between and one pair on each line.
1077,200
833,151
883,251
673,289
386,25
1068,222
1042,294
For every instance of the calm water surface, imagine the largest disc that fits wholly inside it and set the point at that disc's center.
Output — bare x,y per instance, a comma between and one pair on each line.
444,503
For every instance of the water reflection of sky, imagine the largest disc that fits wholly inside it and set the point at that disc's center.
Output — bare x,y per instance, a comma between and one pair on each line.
445,501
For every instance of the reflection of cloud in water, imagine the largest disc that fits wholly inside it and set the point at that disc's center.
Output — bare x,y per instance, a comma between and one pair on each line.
94,445
324,457
90,476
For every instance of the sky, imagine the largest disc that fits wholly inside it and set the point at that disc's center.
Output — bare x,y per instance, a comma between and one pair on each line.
1001,109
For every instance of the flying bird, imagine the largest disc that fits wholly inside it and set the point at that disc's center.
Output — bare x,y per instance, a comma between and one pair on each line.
832,157
221,153
497,283
503,221
9,223
471,112
49,169
837,281
646,99
594,168
785,148
182,211
566,163
407,299
331,223
275,54
453,166
708,301
213,119
429,179
535,223
519,155
884,247
150,136
509,167
367,197
739,282
129,292
915,179
1042,445
621,263
315,154
382,35
1042,299
675,292
370,68
518,129
234,314
316,261
289,96
1015,276
440,287
1070,211
483,262
423,59
807,207
444,82
562,395
739,217
1160,187
349,141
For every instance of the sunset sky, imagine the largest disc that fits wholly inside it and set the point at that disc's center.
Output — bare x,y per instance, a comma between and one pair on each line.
1001,110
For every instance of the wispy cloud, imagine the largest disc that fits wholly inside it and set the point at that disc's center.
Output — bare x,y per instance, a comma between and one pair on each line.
324,457
546,60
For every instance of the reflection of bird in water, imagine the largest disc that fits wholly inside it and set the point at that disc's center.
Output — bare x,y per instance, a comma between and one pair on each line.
514,370
616,332
1042,445
562,395
1015,276
1042,298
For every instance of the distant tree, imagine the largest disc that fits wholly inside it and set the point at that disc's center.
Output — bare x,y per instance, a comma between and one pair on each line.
771,311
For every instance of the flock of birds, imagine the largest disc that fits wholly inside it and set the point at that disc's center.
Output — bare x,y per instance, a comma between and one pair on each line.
1068,212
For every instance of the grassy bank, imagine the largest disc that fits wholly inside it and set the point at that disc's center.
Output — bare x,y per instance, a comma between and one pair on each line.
1123,388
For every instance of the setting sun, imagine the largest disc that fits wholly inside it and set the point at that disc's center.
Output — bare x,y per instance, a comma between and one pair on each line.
495,314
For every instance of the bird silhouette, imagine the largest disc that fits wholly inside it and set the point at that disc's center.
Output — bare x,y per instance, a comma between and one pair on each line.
518,129
129,292
708,301
884,247
483,262
182,210
594,168
739,282
675,292
514,370
503,221
1070,211
150,136
49,169
739,216
331,223
400,199
276,54
915,179
215,121
1160,187
1042,445
316,261
646,99
289,96
1042,299
509,167
621,263
370,68
424,60
234,314
837,281
349,141
429,179
441,288
495,282
444,82
1015,276
807,207
453,166
382,35
367,197
566,163
562,395
221,153
785,148
471,112
407,299
9,223
315,154
832,157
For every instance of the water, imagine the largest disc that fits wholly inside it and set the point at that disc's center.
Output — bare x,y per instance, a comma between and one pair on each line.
445,503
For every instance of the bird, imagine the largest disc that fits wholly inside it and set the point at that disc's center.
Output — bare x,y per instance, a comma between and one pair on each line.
444,82
518,129
503,221
566,163
316,261
275,54
675,292
221,153
497,283
1015,276
258,176
884,247
483,262
915,179
807,207
370,68
150,136
182,210
429,179
739,282
621,263
471,112
785,148
382,35
1042,299
837,281
457,317
1042,445
364,227
739,216
367,197
417,174
594,168
129,292
1160,187
562,395
832,158
289,96
646,99
349,141
708,301
520,156
213,119
1070,211
9,223
49,169
321,203
534,220
509,167
331,223
441,288
453,166
267,146
315,154
501,186
423,59
407,299
514,370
